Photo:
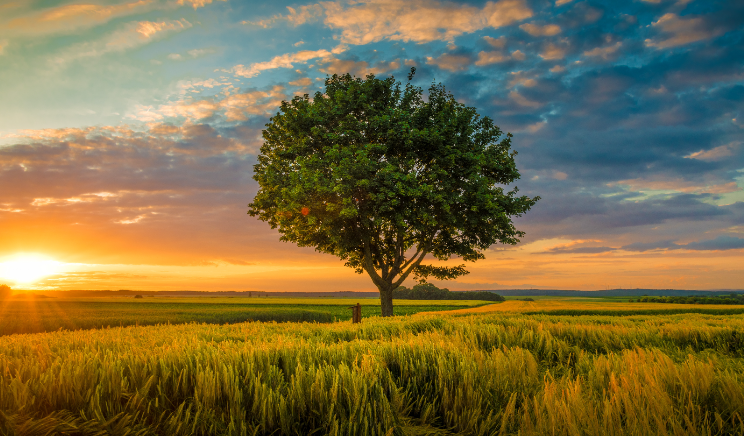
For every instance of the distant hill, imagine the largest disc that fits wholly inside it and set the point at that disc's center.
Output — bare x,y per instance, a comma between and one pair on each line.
612,292
235,294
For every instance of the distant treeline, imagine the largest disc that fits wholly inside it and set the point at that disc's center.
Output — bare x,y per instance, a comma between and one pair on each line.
639,292
427,291
697,299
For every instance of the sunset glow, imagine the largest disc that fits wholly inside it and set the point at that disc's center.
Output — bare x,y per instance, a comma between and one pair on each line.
28,269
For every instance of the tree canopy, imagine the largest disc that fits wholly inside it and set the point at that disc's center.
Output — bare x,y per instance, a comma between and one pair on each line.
376,174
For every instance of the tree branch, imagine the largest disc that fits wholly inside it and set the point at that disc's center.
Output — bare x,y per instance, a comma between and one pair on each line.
405,275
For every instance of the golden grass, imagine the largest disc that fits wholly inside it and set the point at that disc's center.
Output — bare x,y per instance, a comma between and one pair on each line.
498,373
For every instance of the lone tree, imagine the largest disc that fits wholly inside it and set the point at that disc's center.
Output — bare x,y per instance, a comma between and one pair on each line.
377,175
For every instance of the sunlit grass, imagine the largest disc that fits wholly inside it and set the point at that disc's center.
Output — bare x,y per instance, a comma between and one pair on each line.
483,374
36,315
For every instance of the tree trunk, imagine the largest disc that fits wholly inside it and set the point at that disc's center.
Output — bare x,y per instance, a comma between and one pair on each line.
386,299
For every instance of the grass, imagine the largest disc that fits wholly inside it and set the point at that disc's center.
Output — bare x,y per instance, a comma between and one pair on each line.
490,370
45,315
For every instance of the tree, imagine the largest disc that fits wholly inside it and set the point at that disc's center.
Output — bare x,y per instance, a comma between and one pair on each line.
5,292
375,174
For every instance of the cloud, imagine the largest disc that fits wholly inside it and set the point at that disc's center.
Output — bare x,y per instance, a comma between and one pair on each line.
648,246
195,53
69,18
578,247
234,107
132,35
675,30
717,244
536,30
304,81
333,65
553,52
196,3
522,101
499,43
713,154
284,61
140,191
491,57
678,185
419,21
452,62
604,52
296,17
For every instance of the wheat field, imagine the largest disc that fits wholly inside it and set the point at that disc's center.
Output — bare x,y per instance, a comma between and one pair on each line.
498,373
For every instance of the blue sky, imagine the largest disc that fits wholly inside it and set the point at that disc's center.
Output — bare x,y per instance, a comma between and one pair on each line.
128,131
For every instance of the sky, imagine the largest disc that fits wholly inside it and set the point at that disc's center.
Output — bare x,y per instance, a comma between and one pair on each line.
129,130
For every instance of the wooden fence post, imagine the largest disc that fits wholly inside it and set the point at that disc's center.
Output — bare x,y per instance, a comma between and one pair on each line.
356,313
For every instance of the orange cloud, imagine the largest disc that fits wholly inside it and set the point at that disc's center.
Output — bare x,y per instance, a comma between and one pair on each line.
678,30
450,62
68,18
418,20
235,107
283,61
355,68
713,154
536,30
679,185
196,3
295,17
305,81
604,52
553,52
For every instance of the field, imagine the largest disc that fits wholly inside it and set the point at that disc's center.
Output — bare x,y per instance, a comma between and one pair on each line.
48,315
524,368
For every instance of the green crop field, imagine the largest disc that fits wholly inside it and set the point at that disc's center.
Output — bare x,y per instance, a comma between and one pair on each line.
46,315
515,368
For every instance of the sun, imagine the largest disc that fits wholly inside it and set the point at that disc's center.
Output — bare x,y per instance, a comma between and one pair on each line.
28,268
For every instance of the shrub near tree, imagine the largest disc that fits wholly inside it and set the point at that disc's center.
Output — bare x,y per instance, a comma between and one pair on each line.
5,292
428,291
375,174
